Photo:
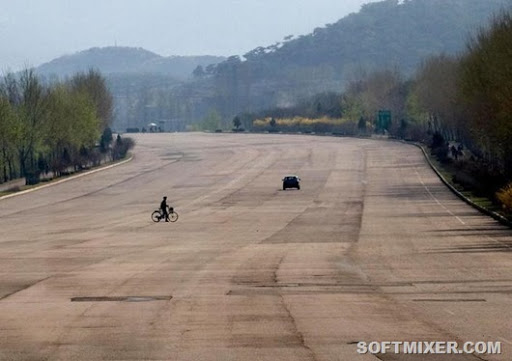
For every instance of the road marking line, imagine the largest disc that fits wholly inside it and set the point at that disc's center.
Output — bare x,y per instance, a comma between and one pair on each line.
460,220
450,312
437,201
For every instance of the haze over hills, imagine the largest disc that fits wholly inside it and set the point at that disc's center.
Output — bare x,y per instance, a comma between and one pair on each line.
126,60
387,34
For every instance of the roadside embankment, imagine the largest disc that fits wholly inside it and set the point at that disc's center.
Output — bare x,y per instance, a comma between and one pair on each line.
20,188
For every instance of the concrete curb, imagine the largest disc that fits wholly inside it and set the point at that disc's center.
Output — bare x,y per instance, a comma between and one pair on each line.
36,188
454,190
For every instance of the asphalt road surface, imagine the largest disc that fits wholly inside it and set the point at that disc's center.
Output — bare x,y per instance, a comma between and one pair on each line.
372,248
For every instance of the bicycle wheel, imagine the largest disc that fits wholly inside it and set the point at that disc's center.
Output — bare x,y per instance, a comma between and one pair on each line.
155,216
173,217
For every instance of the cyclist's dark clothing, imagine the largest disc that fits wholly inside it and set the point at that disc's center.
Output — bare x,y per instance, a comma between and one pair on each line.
163,208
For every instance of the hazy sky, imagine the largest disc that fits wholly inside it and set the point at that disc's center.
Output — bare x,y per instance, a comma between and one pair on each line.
36,31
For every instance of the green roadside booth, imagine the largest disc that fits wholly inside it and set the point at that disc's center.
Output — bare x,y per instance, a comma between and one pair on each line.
383,121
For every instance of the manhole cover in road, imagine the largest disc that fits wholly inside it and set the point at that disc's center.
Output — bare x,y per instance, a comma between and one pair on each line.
121,299
450,300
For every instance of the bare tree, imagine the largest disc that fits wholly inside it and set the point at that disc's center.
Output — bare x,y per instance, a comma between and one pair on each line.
486,85
94,85
436,89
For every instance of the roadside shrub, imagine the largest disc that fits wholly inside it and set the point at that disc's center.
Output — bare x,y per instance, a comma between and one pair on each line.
32,177
121,147
505,197
306,125
479,177
440,148
441,154
415,132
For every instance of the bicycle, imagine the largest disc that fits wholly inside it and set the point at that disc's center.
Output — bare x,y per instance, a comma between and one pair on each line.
157,215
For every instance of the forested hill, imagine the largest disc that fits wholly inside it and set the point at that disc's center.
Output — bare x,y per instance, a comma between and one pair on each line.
386,33
125,60
390,33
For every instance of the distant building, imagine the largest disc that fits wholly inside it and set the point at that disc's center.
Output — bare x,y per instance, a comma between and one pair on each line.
152,127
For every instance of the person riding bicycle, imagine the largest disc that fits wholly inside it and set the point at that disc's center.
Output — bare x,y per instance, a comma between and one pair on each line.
163,209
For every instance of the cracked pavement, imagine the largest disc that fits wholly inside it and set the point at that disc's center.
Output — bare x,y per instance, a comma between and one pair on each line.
372,248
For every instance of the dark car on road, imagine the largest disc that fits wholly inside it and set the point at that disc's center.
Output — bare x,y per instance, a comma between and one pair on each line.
291,181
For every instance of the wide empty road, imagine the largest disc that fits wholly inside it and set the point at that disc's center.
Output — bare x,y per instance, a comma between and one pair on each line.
372,248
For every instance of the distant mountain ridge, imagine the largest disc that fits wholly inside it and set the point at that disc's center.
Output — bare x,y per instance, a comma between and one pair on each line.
387,34
127,60
397,34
